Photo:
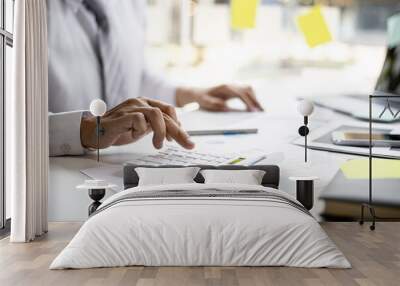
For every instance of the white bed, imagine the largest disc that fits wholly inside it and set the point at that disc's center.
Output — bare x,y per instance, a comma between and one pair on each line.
248,226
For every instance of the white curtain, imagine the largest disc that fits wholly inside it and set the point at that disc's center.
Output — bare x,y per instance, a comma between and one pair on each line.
27,123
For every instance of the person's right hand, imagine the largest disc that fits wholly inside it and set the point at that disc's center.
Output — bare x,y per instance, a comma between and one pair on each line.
133,119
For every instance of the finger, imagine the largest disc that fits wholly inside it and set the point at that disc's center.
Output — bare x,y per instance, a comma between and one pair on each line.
245,97
129,102
169,138
140,126
254,99
235,92
155,117
214,103
127,106
165,108
178,134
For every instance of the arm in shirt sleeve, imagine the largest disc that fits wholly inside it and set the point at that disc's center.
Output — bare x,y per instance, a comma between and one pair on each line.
65,133
156,87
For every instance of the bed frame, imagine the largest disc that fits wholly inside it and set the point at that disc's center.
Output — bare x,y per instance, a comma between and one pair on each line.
270,179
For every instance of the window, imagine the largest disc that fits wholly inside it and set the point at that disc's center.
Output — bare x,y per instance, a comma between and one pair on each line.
6,43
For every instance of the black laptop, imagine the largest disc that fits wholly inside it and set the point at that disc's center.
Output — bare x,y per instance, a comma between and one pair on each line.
357,106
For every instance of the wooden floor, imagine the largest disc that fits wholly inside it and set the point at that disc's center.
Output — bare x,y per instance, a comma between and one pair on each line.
375,257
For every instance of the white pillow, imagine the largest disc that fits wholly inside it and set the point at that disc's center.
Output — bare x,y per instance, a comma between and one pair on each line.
166,176
246,177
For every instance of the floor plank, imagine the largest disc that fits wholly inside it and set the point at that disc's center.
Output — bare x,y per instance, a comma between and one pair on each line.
375,257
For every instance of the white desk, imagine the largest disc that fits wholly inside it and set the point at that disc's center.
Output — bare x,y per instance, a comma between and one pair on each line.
277,128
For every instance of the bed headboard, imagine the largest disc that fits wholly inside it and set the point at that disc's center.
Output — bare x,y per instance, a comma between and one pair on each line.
271,177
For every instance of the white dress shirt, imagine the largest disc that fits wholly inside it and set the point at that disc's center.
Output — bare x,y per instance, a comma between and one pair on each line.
96,50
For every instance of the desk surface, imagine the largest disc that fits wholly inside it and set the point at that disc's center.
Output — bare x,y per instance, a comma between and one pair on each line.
277,128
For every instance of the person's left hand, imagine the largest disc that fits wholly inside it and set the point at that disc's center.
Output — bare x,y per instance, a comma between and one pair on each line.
215,98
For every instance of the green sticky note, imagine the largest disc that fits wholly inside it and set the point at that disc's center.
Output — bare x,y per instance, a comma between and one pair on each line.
381,169
314,27
394,30
243,13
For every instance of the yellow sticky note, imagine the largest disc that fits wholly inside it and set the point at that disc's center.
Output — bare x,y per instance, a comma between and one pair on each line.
314,27
381,169
244,13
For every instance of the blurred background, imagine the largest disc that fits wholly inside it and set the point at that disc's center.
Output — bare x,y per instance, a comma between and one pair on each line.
194,42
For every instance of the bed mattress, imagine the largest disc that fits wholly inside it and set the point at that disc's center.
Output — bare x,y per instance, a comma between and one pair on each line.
201,225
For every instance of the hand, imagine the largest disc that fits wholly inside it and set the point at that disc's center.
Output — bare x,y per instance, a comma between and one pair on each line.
132,120
215,99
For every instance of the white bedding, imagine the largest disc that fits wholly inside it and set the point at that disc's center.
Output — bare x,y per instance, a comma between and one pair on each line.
202,231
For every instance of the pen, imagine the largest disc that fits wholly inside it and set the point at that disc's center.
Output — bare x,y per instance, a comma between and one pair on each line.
235,161
256,160
222,132
248,161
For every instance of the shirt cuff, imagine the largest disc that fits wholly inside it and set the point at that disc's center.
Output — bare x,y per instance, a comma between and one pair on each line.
65,133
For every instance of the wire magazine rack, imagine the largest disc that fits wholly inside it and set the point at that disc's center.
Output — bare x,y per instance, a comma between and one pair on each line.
370,206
